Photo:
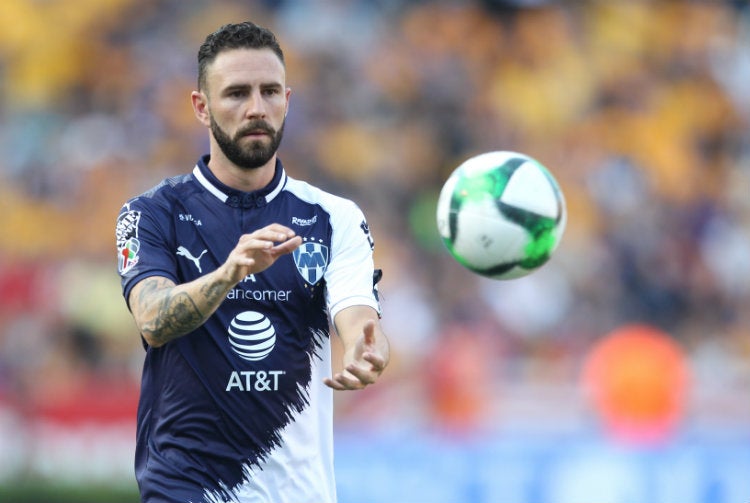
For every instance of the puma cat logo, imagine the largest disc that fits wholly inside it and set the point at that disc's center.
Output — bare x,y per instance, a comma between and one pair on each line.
184,252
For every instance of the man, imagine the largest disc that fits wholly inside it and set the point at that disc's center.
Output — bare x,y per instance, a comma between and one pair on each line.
231,273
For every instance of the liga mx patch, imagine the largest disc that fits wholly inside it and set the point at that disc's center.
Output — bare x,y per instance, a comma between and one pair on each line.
311,260
128,244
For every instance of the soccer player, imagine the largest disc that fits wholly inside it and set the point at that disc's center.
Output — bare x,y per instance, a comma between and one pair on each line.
232,273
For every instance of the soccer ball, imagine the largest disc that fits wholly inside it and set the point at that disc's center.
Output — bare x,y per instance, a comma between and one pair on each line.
501,214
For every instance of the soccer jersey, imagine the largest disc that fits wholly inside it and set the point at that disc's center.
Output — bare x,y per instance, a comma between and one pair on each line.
236,410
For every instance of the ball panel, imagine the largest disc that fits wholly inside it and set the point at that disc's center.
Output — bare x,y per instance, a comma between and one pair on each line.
484,239
489,161
507,271
541,230
531,188
489,184
444,206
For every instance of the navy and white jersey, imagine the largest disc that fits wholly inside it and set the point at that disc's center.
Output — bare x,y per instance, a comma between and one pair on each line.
236,410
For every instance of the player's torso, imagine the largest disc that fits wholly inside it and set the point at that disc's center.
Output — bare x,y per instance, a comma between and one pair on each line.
238,380
222,405
271,323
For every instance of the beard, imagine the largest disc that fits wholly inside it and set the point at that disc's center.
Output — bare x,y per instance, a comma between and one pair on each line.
256,154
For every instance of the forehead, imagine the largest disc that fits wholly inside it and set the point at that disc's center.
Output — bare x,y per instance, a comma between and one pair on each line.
245,67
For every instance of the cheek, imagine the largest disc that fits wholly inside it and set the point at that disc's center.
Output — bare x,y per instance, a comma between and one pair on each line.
226,118
277,106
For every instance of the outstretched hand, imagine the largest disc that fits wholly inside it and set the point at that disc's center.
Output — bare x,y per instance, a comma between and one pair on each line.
363,362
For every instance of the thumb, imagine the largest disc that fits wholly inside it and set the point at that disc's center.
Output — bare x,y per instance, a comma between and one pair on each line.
369,332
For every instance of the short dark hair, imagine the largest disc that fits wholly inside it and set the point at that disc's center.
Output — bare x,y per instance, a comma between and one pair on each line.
244,35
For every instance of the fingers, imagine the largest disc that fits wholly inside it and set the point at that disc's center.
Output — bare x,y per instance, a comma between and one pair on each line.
369,332
376,360
349,380
259,249
268,237
356,376
340,382
287,246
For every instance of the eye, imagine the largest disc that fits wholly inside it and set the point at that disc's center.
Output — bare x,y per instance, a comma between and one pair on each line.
237,93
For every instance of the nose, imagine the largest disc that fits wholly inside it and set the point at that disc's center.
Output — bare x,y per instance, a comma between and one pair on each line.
255,106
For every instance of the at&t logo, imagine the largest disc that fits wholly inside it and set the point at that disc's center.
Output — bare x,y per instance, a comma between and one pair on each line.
251,336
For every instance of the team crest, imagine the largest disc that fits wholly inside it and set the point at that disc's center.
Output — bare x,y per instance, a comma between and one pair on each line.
311,260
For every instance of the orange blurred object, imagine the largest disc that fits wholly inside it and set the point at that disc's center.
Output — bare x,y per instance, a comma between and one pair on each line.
637,378
458,378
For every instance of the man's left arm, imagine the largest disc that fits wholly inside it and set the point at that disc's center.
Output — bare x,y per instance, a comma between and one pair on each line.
366,348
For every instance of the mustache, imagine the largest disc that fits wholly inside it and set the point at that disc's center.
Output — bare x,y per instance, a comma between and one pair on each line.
258,125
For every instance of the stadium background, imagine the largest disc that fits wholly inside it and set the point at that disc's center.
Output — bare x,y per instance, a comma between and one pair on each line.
641,110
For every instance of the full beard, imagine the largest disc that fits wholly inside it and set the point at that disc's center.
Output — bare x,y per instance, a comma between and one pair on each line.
256,154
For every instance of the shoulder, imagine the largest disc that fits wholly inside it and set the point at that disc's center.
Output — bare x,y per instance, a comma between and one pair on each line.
331,203
163,194
155,206
168,188
347,220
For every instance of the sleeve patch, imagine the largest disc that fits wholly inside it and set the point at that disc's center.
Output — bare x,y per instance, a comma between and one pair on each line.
128,244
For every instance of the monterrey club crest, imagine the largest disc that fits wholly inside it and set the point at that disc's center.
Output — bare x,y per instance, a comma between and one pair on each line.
311,259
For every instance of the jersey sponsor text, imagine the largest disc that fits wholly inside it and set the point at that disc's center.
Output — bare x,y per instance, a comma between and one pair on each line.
254,380
267,295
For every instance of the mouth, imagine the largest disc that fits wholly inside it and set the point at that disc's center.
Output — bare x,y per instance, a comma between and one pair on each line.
256,132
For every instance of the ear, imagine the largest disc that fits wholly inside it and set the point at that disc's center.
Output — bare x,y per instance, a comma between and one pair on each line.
200,107
287,93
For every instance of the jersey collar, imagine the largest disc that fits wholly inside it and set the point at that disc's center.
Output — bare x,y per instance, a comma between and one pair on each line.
237,198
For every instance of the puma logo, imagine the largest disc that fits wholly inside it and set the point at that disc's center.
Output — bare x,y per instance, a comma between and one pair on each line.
184,252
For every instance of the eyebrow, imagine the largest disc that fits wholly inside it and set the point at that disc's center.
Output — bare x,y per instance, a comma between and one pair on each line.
244,87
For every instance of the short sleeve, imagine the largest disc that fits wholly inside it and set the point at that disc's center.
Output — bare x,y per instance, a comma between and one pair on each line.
349,276
142,235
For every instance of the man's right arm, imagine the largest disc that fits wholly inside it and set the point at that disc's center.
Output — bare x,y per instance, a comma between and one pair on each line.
164,310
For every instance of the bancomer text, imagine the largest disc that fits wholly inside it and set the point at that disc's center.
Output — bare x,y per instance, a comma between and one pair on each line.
269,295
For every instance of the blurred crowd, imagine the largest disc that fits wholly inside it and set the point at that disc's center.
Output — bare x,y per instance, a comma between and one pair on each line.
639,108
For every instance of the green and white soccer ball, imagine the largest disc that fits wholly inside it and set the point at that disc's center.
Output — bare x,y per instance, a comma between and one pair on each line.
501,214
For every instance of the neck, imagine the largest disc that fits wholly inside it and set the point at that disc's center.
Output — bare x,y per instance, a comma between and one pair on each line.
246,180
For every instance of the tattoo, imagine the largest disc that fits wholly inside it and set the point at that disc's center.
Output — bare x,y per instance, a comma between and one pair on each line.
165,314
213,292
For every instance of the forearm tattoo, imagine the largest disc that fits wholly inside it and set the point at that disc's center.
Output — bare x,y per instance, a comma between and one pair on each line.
213,293
170,314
